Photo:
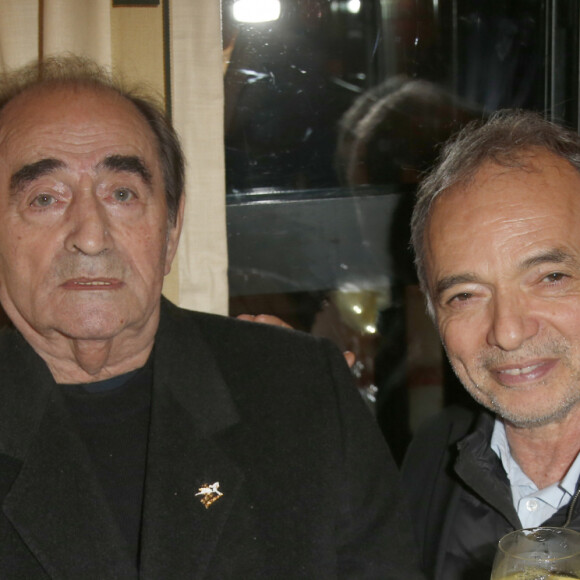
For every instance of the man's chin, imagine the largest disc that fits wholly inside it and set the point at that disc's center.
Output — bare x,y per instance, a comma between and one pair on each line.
93,326
529,417
102,333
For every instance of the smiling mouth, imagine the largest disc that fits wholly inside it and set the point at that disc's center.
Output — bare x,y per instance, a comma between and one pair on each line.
520,371
529,373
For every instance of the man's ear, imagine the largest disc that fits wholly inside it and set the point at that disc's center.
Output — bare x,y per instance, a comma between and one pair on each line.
173,234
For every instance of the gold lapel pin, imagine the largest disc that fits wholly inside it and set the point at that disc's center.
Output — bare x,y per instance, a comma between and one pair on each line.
209,493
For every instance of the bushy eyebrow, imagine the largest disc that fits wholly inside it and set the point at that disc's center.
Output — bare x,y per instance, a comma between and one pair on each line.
127,163
450,281
554,256
31,171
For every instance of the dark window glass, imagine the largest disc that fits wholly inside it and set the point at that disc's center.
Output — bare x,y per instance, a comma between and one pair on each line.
333,110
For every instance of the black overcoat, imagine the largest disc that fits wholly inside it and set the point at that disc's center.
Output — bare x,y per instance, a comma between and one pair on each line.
309,489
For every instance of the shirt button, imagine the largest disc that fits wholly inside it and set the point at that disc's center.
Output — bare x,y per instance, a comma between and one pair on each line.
531,505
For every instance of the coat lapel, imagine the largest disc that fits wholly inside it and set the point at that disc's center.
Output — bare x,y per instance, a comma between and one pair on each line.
55,503
192,409
59,510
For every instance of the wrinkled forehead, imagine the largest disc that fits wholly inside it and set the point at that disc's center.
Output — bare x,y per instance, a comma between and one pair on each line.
48,101
539,197
63,119
532,177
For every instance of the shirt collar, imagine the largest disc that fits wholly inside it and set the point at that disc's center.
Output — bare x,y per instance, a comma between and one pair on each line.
554,495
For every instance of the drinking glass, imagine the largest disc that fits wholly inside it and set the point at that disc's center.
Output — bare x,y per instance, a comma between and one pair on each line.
538,554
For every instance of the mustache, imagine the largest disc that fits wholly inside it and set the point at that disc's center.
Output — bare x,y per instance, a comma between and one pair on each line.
548,349
107,265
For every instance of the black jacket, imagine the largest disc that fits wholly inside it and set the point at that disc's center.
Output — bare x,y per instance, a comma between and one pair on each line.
460,496
309,489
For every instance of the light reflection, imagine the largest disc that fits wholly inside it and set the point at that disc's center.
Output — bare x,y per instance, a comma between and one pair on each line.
256,10
360,308
353,6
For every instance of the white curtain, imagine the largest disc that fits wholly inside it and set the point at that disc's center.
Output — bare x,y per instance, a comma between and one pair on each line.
19,32
131,41
197,90
79,26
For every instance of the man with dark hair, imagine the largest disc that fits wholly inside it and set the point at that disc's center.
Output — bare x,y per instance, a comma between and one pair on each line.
496,232
137,439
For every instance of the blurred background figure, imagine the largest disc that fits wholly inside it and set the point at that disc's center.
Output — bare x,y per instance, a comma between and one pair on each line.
334,109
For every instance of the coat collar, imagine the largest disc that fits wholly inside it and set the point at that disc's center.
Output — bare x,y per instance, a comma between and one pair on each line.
186,369
56,504
480,468
25,388
192,414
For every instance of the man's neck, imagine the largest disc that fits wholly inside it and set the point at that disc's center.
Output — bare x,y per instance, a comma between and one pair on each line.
95,361
74,360
545,453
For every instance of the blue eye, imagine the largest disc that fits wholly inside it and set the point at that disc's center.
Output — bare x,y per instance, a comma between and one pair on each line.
123,195
43,200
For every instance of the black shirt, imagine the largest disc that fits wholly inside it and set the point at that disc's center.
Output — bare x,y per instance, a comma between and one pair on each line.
112,418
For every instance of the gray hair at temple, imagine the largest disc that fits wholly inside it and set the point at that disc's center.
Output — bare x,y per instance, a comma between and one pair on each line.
82,72
505,139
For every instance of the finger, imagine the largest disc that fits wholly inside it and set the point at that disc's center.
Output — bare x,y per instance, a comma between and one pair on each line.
269,319
350,357
264,319
247,317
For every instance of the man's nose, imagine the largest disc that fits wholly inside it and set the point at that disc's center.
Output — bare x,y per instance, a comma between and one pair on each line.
512,322
88,225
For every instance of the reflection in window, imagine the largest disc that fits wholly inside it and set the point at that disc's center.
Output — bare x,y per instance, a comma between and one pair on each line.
292,77
287,83
333,109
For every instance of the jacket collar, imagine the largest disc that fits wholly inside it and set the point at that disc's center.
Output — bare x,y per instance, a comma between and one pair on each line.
480,468
185,367
464,458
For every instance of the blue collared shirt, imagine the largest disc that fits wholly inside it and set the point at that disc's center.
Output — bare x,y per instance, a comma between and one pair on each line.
534,506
